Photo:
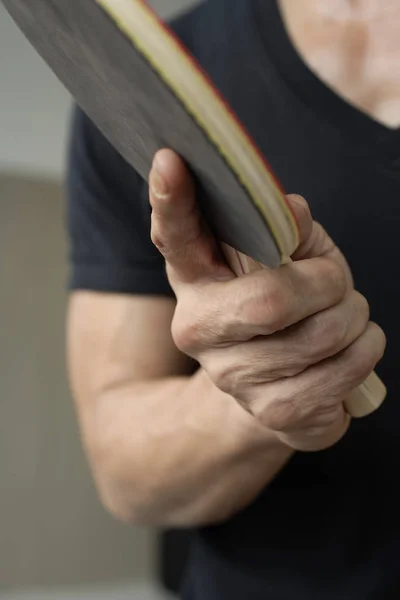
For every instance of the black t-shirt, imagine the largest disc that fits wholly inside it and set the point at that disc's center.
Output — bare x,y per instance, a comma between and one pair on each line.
328,526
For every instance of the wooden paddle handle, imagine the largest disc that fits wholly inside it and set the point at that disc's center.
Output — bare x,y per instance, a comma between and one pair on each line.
369,396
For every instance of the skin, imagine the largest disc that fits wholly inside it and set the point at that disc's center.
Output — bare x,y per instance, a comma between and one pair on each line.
354,47
278,351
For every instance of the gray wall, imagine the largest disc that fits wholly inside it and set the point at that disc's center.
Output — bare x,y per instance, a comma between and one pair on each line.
52,528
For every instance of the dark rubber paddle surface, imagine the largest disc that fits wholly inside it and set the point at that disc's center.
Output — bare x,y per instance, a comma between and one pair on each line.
137,111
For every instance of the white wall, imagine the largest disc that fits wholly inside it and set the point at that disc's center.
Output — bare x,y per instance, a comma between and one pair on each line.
34,106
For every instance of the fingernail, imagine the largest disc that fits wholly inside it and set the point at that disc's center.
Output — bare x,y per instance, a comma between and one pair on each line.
158,184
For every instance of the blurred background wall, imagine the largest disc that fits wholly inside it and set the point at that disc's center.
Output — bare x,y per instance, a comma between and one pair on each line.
33,105
52,528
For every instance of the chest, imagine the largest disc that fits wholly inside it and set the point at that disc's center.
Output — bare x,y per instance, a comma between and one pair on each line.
358,58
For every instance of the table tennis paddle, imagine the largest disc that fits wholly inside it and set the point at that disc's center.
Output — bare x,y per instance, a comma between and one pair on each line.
144,91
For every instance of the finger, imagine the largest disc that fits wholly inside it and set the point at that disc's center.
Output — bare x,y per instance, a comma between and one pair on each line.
314,240
302,215
290,403
314,438
266,302
177,228
259,304
320,336
290,352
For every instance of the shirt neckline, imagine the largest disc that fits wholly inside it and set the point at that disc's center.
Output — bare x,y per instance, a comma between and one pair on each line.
351,121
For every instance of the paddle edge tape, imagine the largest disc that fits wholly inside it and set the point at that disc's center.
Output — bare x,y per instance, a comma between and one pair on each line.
177,47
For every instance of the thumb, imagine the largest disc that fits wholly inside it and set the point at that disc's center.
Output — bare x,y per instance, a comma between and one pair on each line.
177,228
314,240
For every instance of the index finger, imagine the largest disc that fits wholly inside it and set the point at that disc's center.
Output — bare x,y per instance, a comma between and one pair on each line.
177,228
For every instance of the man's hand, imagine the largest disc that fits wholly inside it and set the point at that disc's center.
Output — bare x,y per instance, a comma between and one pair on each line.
289,344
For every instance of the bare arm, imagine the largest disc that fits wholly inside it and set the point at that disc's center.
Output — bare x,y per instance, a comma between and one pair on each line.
166,447
279,350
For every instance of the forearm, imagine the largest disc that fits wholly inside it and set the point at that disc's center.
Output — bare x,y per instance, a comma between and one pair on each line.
178,452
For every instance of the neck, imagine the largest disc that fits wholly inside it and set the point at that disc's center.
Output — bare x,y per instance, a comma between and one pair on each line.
347,10
354,46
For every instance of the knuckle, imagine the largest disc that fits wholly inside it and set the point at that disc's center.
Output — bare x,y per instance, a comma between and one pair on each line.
362,361
156,237
173,235
186,330
271,306
226,375
280,414
362,307
323,335
334,274
328,418
335,335
380,341
301,411
198,322
360,366
326,335
261,306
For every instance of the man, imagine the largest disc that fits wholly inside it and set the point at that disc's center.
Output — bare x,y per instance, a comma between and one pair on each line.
214,403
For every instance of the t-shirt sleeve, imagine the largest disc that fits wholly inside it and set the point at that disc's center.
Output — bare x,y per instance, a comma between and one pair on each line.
108,218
